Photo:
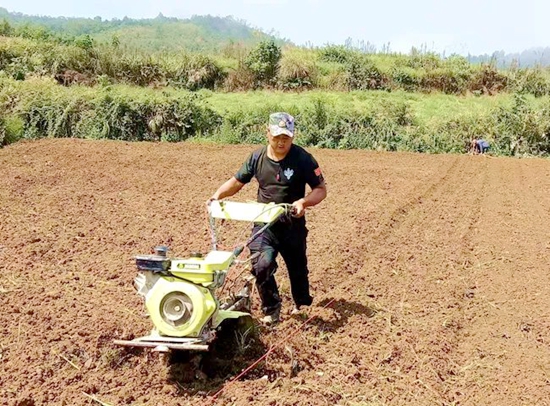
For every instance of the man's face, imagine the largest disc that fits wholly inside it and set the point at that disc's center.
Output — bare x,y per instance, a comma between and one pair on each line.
280,144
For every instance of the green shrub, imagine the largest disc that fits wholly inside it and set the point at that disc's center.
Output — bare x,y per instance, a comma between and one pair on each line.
446,80
405,78
535,81
363,74
86,61
488,80
11,129
5,28
297,70
263,62
139,71
115,115
85,42
337,53
240,79
314,124
522,130
370,132
203,72
247,127
332,76
427,61
453,135
397,121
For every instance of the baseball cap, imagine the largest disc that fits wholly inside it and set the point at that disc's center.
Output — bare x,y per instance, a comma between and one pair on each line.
281,123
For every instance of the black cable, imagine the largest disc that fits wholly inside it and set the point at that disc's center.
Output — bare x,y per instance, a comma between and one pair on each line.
168,273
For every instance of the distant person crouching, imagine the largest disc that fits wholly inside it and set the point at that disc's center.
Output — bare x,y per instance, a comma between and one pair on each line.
479,146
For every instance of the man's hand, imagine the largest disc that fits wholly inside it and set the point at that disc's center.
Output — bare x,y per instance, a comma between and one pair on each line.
210,200
313,198
228,189
298,208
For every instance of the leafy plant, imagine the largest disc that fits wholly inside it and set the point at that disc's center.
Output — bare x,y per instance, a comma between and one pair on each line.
263,62
363,74
297,70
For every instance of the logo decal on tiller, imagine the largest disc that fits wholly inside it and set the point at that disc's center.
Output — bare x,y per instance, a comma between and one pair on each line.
288,173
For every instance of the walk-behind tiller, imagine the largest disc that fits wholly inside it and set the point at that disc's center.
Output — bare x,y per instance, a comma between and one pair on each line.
180,294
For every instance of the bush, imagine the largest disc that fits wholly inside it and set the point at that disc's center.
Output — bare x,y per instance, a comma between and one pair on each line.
406,78
35,52
427,61
362,74
5,28
248,127
454,134
139,71
337,53
332,76
297,70
116,115
369,131
11,130
521,130
488,80
446,80
535,81
203,73
314,125
240,79
263,62
370,120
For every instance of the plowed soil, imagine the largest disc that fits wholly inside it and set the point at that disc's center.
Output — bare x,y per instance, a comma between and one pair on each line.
431,278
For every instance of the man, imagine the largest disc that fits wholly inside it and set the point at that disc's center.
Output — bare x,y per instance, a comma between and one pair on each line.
480,146
282,170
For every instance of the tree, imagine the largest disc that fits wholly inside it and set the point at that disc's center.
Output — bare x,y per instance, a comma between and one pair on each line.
5,28
115,41
263,61
84,42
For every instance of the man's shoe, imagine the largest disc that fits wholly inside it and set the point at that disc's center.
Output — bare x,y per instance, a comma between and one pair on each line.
295,310
272,318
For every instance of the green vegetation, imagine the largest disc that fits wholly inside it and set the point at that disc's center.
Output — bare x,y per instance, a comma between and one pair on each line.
199,33
397,121
44,109
265,65
88,81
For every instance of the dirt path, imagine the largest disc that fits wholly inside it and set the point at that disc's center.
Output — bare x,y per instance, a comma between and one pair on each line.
430,277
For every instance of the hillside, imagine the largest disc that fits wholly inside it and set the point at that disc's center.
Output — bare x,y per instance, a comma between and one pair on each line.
111,89
198,33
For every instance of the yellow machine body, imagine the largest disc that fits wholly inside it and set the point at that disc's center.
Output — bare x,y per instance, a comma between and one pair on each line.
204,271
251,211
180,292
199,302
181,305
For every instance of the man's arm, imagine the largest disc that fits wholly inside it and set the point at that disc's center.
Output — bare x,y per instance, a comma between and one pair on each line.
229,188
316,196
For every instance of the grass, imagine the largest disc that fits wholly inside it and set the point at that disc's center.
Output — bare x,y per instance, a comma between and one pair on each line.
515,124
425,106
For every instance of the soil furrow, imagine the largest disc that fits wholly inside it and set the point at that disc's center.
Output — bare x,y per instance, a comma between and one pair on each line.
437,266
506,353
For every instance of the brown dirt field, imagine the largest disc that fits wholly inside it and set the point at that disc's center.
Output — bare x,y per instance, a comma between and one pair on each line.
438,267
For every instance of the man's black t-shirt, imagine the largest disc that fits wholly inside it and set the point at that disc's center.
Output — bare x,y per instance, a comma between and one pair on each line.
281,181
